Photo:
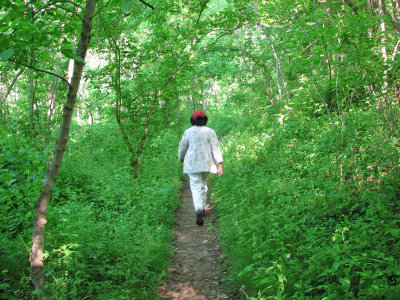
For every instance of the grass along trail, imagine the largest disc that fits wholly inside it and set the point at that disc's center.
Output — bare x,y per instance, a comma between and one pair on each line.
196,268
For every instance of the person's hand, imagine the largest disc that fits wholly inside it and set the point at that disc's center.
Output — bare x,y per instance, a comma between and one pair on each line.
220,171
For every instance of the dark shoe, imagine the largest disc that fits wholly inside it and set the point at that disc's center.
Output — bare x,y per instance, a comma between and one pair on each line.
199,218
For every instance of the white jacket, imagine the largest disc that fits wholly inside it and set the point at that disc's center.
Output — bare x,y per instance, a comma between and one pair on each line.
199,150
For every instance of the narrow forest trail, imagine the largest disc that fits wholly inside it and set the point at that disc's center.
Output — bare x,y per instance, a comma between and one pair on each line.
196,267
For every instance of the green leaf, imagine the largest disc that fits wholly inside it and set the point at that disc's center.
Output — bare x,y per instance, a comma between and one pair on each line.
4,286
11,182
257,256
395,232
30,26
336,265
126,5
345,283
68,52
6,54
67,252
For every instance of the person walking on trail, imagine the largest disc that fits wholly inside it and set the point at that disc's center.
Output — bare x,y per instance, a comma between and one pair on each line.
200,153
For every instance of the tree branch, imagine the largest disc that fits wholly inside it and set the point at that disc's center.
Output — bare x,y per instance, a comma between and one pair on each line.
100,8
88,105
69,10
201,38
197,23
12,84
62,1
322,99
54,4
352,6
218,37
44,71
396,48
147,4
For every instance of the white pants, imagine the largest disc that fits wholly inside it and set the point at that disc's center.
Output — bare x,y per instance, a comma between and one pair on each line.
198,186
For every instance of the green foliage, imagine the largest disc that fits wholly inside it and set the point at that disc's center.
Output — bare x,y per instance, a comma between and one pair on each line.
6,54
108,234
291,228
20,180
308,209
21,175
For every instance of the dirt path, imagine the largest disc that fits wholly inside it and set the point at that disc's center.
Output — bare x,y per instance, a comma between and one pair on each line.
196,270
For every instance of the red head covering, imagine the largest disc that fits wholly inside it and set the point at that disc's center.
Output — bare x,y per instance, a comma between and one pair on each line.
198,113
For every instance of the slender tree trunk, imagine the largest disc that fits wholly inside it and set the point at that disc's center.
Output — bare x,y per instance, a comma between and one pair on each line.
157,95
352,5
267,77
32,84
118,97
339,161
116,84
192,97
167,111
386,106
137,162
383,48
14,81
396,15
216,90
202,84
36,257
396,86
179,114
338,102
279,73
53,96
278,82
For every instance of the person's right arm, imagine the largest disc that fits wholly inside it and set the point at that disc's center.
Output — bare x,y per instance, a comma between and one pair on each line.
216,152
220,171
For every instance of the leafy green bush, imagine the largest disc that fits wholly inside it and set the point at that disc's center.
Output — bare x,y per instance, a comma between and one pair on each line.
108,234
308,211
21,171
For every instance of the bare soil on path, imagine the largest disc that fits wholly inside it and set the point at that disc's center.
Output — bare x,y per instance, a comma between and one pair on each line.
196,268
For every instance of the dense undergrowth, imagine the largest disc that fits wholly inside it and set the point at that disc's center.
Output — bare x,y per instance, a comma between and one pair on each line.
108,234
307,211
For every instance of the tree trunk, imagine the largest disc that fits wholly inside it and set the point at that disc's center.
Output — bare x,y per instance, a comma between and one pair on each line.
279,72
3,99
179,114
167,111
137,162
192,97
52,96
352,5
32,85
338,159
36,257
396,86
386,106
